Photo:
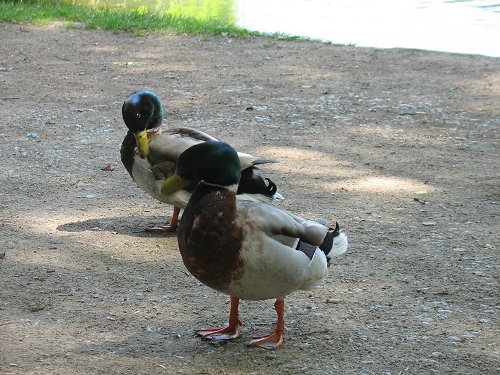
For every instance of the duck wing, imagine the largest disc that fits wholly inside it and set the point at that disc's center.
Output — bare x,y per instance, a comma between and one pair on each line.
169,144
282,252
282,225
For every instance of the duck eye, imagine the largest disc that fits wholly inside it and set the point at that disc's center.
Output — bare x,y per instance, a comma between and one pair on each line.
138,115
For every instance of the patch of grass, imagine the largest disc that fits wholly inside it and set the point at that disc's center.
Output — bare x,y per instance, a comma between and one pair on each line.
138,22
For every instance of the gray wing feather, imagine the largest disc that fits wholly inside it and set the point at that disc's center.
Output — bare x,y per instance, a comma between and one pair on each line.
170,143
275,222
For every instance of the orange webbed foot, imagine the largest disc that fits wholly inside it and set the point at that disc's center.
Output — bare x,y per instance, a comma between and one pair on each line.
271,341
230,332
275,339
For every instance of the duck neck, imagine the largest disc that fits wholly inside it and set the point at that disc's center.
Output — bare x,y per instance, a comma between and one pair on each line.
208,203
154,131
233,188
215,194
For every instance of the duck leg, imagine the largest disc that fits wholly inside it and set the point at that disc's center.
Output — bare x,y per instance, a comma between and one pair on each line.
275,339
172,227
227,333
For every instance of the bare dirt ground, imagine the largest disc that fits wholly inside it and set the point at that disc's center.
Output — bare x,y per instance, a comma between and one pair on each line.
399,146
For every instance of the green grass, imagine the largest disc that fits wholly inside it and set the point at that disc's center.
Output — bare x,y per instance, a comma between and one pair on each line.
139,22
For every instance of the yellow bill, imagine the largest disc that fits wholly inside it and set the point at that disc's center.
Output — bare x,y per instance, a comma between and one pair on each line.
141,139
173,184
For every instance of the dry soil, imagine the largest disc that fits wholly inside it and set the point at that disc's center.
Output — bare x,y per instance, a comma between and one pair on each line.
399,146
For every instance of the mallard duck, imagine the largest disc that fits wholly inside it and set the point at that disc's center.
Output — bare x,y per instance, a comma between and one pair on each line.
248,250
149,155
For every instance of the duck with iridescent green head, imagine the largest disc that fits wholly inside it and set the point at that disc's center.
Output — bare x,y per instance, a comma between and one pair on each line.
248,250
149,153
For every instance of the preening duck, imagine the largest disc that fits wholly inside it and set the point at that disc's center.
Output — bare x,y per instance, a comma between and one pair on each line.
248,250
149,154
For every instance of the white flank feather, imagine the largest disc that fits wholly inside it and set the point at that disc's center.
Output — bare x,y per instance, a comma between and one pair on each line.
339,246
261,197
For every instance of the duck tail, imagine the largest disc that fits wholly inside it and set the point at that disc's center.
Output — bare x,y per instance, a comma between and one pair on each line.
254,187
335,243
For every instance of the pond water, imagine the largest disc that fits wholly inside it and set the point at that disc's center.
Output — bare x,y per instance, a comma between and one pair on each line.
462,26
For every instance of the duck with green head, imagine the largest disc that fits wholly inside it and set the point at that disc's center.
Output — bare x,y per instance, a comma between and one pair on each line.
149,154
248,250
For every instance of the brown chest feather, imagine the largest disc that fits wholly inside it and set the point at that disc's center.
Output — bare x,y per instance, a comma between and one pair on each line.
209,239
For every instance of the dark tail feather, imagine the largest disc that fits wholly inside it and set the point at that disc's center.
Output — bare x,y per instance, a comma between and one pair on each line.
252,183
335,243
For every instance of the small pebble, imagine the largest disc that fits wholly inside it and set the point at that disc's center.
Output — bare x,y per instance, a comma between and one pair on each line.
303,345
468,335
426,320
37,307
443,311
108,168
333,300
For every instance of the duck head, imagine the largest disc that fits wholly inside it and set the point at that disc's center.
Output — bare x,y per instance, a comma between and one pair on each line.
215,163
142,111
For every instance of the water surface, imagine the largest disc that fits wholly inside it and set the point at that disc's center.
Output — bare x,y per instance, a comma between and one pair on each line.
462,26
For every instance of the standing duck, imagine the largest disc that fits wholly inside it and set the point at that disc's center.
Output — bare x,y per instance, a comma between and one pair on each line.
149,155
248,250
